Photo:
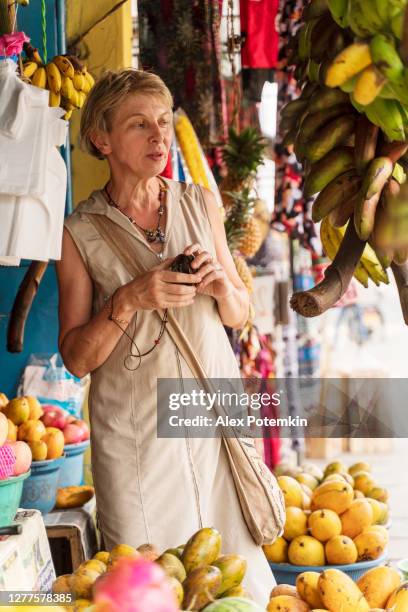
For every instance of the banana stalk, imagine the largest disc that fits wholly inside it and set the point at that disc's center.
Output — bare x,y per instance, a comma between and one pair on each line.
401,278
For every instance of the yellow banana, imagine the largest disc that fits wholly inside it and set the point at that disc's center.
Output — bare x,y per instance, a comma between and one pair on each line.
39,78
74,98
78,80
368,85
89,82
347,63
64,66
54,99
364,214
29,68
81,98
53,77
68,115
369,264
67,87
331,239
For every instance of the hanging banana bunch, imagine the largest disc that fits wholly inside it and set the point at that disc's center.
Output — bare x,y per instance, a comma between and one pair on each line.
66,78
349,127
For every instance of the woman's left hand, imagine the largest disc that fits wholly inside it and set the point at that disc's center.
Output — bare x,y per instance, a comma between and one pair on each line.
214,280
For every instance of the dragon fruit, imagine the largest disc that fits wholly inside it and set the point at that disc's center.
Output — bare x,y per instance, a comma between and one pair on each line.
134,585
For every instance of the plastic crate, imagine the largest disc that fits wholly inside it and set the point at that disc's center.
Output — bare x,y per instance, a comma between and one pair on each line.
285,573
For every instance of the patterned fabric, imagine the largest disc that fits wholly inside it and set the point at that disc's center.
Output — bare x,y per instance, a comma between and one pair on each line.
260,48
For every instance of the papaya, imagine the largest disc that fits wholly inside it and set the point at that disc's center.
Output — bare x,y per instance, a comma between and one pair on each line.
340,550
324,524
292,491
296,523
287,603
119,551
361,466
308,480
278,551
307,587
233,568
378,584
172,566
74,497
177,552
201,586
339,592
334,495
356,518
178,590
398,602
306,550
379,493
370,543
364,482
202,549
149,552
284,589
333,468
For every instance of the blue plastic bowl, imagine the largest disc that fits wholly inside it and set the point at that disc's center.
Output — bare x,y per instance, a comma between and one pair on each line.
72,471
285,573
10,496
40,489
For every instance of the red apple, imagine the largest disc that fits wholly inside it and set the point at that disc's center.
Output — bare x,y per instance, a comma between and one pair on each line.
23,455
54,418
72,434
71,419
84,426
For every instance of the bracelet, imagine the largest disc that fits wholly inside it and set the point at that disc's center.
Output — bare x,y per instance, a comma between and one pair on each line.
111,316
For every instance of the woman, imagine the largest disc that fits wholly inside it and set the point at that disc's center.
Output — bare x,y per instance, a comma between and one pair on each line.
149,489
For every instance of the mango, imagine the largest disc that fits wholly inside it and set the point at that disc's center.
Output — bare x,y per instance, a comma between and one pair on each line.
378,584
81,604
177,590
12,431
233,568
333,468
312,469
361,466
324,524
339,592
306,502
202,549
307,587
306,550
398,602
364,482
17,410
38,449
81,582
277,552
287,603
334,495
95,564
284,589
296,523
62,584
292,491
358,494
103,556
370,543
356,518
119,551
376,508
36,410
55,443
379,493
3,401
308,480
172,566
201,586
148,551
340,550
31,430
336,476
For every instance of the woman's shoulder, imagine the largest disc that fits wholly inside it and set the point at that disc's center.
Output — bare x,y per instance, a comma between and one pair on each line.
94,203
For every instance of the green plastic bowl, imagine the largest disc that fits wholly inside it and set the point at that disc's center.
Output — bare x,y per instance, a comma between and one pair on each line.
11,491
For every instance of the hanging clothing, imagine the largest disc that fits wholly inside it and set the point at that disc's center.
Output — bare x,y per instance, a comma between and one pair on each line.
259,33
151,489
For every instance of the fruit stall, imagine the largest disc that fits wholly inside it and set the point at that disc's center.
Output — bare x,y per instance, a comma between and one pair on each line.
300,130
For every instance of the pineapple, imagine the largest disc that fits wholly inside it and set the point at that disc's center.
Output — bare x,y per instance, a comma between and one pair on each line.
243,271
242,155
252,238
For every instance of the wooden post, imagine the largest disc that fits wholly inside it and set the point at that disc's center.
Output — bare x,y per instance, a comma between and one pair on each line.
5,19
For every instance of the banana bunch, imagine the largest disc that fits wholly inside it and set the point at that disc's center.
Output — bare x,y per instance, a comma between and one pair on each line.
352,144
66,78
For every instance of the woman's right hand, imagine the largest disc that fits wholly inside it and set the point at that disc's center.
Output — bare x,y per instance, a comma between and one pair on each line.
161,288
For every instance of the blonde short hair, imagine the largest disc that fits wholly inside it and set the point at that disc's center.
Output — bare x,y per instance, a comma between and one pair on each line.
108,93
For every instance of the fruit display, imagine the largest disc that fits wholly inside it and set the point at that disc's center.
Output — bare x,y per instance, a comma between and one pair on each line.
334,516
332,590
44,429
194,576
66,78
349,129
15,454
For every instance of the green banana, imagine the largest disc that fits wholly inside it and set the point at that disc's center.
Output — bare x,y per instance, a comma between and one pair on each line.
348,86
386,57
305,39
343,211
313,71
339,11
378,172
308,90
293,108
364,214
399,88
337,193
397,24
313,122
365,145
358,22
330,136
315,8
399,174
323,36
326,98
381,8
290,137
388,115
328,168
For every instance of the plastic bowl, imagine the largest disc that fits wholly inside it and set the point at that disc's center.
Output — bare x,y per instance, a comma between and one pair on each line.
40,489
72,471
285,573
10,497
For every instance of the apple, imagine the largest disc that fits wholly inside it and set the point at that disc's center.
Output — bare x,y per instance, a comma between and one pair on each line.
71,419
84,426
3,428
23,455
54,418
73,434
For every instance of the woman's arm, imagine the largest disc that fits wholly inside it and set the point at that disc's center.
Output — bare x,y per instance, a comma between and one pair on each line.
86,341
224,285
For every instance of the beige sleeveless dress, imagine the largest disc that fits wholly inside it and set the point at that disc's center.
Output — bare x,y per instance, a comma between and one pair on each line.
160,490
